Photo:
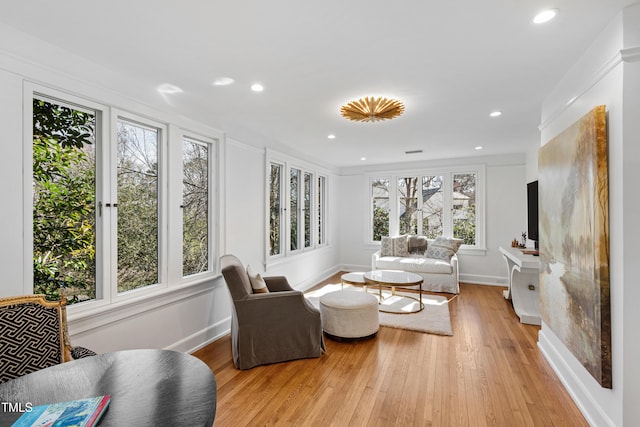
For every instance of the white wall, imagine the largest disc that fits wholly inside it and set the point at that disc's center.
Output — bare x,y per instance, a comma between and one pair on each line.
631,213
11,213
605,76
185,316
506,212
246,229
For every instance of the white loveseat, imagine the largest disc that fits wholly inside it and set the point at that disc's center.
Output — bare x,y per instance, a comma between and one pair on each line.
439,274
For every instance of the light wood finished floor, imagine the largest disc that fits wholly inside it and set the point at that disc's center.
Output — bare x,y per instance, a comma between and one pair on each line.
490,373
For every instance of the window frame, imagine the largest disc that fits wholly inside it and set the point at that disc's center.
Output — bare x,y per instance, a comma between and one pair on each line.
317,211
212,168
447,187
171,285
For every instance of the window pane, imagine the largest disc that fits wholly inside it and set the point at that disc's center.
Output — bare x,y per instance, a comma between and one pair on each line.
464,207
137,206
321,210
408,205
195,212
380,208
307,210
294,189
64,217
432,204
275,198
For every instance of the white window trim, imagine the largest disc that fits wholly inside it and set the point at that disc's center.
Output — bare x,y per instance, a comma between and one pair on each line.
288,163
109,307
163,215
176,211
447,173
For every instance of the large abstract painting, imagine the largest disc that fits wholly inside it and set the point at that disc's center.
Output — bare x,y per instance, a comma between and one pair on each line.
574,241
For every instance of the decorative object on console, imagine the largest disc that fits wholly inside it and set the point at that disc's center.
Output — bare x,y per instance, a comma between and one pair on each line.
574,241
371,109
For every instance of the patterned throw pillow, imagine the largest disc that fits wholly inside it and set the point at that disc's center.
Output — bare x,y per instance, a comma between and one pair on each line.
257,282
401,245
444,248
386,246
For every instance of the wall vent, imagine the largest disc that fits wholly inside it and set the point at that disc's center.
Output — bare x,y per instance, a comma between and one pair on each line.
413,152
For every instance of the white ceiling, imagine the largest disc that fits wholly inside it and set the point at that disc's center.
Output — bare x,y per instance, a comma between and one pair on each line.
450,62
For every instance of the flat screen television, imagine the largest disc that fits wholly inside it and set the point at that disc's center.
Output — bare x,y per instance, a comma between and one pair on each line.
532,211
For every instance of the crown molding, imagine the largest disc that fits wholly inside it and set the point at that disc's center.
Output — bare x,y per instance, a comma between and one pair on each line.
631,54
608,66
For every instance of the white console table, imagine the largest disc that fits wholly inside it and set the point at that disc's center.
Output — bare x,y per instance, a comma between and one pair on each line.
523,274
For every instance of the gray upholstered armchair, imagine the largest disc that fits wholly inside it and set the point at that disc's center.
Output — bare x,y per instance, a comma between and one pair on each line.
269,327
34,336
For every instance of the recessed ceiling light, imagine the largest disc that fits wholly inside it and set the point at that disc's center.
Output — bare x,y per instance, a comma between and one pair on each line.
257,87
479,147
496,114
363,158
223,81
169,88
331,136
545,16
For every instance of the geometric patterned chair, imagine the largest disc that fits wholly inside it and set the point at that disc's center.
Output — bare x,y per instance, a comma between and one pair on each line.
34,336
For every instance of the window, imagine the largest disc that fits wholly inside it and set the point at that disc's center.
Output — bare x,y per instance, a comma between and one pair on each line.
64,194
464,207
101,199
408,205
432,206
294,213
380,208
275,209
195,207
308,178
137,209
304,194
322,215
448,204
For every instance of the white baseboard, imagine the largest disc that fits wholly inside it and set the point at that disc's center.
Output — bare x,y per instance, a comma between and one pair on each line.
203,337
310,283
479,279
579,391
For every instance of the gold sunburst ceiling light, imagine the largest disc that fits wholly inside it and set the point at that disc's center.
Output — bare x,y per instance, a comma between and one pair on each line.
372,109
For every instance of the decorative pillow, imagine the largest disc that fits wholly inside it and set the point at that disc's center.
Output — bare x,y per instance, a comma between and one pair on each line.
444,248
386,246
257,282
401,245
417,245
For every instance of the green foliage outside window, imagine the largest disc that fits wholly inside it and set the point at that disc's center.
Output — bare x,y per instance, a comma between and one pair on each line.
380,223
63,202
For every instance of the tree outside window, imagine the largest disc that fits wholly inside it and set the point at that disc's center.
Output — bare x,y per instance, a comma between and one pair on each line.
64,217
195,207
137,210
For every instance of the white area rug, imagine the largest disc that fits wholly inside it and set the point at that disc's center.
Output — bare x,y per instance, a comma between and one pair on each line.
434,319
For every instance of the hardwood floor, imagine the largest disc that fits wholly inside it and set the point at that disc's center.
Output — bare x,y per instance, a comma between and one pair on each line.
490,373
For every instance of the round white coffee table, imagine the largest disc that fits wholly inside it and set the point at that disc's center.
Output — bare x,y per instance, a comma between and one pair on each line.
396,279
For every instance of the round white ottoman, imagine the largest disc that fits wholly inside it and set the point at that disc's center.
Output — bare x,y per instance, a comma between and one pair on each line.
349,315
